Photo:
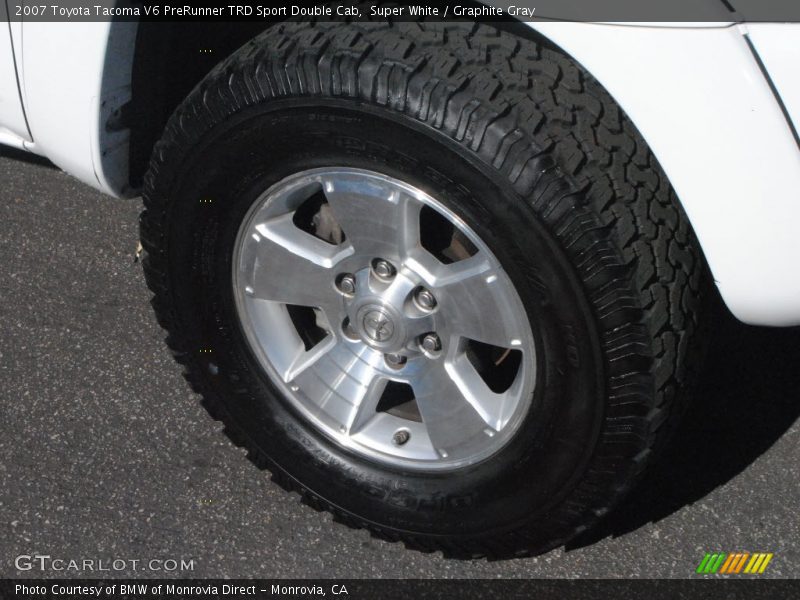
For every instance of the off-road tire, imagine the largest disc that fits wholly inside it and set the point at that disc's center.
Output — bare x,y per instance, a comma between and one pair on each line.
519,115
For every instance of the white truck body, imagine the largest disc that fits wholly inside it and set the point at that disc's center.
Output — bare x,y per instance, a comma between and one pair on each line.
714,101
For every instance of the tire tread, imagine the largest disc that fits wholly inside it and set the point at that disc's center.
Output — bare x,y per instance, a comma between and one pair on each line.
534,115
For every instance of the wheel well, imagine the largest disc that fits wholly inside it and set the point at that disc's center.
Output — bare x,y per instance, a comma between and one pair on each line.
169,60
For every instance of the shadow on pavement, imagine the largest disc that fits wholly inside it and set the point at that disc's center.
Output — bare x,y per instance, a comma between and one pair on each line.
29,157
747,397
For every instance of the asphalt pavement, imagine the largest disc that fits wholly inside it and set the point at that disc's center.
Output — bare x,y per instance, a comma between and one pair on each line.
105,453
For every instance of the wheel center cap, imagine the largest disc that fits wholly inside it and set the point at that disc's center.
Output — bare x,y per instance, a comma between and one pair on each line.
378,325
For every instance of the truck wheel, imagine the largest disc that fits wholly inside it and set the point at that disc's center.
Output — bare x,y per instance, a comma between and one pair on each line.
430,276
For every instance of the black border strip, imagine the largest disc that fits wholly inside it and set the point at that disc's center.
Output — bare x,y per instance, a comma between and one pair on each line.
706,588
673,11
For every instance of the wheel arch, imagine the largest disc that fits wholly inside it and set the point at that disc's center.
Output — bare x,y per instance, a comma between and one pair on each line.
158,86
700,100
716,129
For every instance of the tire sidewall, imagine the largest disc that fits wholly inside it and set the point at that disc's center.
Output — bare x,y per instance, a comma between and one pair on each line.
241,157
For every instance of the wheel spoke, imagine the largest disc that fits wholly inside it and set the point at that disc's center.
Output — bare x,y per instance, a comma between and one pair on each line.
495,409
378,219
366,404
474,300
292,266
343,383
302,360
448,415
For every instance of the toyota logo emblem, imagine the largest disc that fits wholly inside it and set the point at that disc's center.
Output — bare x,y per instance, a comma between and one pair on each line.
378,326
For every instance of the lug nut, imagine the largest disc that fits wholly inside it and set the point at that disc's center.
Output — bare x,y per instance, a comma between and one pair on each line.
400,437
347,284
383,268
396,361
431,343
425,299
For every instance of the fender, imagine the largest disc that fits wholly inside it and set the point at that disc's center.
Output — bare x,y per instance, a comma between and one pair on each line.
700,100
73,80
13,126
696,94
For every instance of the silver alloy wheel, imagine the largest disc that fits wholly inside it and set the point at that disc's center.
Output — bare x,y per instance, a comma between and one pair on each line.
405,353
